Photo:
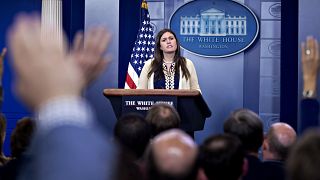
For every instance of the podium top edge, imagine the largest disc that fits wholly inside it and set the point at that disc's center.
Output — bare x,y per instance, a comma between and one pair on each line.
149,92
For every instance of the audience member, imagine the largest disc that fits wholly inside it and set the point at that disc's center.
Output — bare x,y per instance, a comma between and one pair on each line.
304,161
222,157
3,126
310,68
19,142
67,143
275,149
21,136
3,123
162,117
172,155
133,132
277,142
248,127
2,55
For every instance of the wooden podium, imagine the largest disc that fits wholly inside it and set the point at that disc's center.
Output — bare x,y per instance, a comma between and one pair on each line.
190,104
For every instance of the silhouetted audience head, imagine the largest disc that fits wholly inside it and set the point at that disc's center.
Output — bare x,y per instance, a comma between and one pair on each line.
3,126
162,117
133,132
222,157
277,142
248,127
172,155
304,161
21,136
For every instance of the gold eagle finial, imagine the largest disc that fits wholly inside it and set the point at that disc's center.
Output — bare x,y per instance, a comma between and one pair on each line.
144,4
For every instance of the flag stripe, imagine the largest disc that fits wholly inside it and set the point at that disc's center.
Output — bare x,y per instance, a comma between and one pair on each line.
133,74
130,83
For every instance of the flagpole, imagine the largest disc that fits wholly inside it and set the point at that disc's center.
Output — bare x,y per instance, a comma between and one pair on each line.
144,5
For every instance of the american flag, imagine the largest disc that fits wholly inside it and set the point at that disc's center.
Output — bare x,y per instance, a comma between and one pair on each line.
143,49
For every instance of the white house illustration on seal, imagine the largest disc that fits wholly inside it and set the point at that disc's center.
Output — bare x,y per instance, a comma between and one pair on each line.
213,22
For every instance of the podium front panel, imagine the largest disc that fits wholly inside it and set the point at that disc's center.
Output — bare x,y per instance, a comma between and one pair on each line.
190,104
192,118
141,104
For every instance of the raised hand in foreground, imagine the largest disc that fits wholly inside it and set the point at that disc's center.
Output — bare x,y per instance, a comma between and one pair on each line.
310,65
45,70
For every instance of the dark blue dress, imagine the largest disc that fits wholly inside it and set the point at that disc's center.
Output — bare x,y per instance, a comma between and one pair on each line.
165,81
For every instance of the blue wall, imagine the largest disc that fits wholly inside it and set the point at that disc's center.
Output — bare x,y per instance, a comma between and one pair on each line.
73,17
106,14
289,63
237,79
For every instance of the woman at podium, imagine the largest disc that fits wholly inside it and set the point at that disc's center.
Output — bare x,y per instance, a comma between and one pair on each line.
168,69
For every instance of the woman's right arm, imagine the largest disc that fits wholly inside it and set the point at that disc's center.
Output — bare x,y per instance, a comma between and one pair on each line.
143,79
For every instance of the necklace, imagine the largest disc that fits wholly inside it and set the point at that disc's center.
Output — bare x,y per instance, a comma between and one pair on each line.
169,75
166,62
